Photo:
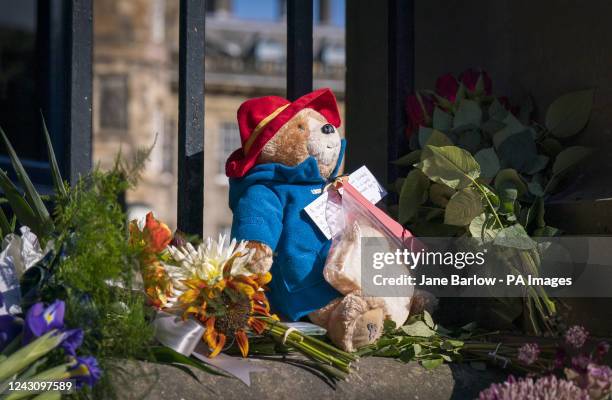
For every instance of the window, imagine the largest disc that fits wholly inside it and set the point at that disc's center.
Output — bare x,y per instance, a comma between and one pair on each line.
114,102
229,140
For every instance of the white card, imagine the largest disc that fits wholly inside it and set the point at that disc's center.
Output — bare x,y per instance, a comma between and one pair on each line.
325,214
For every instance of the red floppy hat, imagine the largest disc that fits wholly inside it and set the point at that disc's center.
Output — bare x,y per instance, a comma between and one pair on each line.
259,119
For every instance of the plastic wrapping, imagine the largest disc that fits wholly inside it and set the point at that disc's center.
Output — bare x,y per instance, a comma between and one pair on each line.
351,218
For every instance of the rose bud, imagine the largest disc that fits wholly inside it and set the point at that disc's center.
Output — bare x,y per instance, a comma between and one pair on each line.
447,86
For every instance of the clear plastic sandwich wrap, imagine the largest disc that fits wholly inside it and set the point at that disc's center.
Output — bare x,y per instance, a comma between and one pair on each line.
351,218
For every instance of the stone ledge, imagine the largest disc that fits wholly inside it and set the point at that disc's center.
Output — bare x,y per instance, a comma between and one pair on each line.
377,378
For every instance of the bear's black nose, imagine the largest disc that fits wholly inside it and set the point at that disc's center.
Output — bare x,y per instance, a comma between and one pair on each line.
327,129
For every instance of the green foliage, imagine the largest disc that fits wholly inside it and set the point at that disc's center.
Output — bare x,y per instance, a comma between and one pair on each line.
96,275
420,339
485,172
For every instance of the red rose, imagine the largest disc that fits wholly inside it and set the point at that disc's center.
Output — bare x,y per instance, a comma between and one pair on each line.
470,77
418,110
446,86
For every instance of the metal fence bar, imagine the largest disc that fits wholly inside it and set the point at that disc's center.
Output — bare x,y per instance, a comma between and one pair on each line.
79,45
190,213
401,78
299,48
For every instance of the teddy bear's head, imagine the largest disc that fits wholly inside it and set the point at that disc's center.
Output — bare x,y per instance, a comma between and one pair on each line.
308,133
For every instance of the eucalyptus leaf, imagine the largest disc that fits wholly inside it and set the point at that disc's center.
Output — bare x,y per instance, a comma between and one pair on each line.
497,111
415,191
518,151
569,114
537,164
514,236
449,165
470,140
463,207
488,161
442,121
468,113
512,126
424,134
535,189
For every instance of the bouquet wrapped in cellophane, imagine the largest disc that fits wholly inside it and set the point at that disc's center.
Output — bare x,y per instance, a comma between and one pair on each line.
211,283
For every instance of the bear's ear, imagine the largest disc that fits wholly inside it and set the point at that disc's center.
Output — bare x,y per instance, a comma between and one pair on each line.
289,146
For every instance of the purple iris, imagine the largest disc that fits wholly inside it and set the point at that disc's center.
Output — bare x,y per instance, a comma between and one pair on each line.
73,338
10,327
86,371
40,320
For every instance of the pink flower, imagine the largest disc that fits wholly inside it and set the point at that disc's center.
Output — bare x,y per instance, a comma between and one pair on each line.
576,336
418,110
470,77
447,86
548,387
528,353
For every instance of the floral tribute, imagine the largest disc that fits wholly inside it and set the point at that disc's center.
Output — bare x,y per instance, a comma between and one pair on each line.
211,283
484,168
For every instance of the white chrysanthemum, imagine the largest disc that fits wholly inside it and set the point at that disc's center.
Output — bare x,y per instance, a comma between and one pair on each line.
207,261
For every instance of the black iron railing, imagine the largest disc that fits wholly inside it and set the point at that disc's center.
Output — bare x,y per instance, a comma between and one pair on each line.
190,196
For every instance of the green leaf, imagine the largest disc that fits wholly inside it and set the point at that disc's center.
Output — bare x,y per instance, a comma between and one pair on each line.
551,147
165,355
488,161
508,197
509,178
482,227
433,363
497,111
469,140
449,165
409,159
416,348
30,192
569,157
58,182
415,191
537,164
5,225
424,133
438,139
569,114
515,237
512,126
440,194
428,320
535,189
463,207
19,205
442,121
518,150
418,328
468,113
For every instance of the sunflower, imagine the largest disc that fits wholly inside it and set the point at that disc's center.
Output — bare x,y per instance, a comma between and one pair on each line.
213,285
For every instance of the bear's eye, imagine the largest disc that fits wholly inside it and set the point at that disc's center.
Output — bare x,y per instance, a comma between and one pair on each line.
301,127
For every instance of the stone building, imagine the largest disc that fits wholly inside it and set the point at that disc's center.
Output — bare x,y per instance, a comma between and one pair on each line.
136,82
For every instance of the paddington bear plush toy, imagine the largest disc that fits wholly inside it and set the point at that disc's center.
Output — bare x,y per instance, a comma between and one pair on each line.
290,151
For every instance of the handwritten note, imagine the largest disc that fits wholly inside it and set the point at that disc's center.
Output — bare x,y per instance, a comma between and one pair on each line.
326,210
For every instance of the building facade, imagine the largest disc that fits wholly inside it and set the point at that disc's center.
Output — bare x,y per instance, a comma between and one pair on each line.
136,82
